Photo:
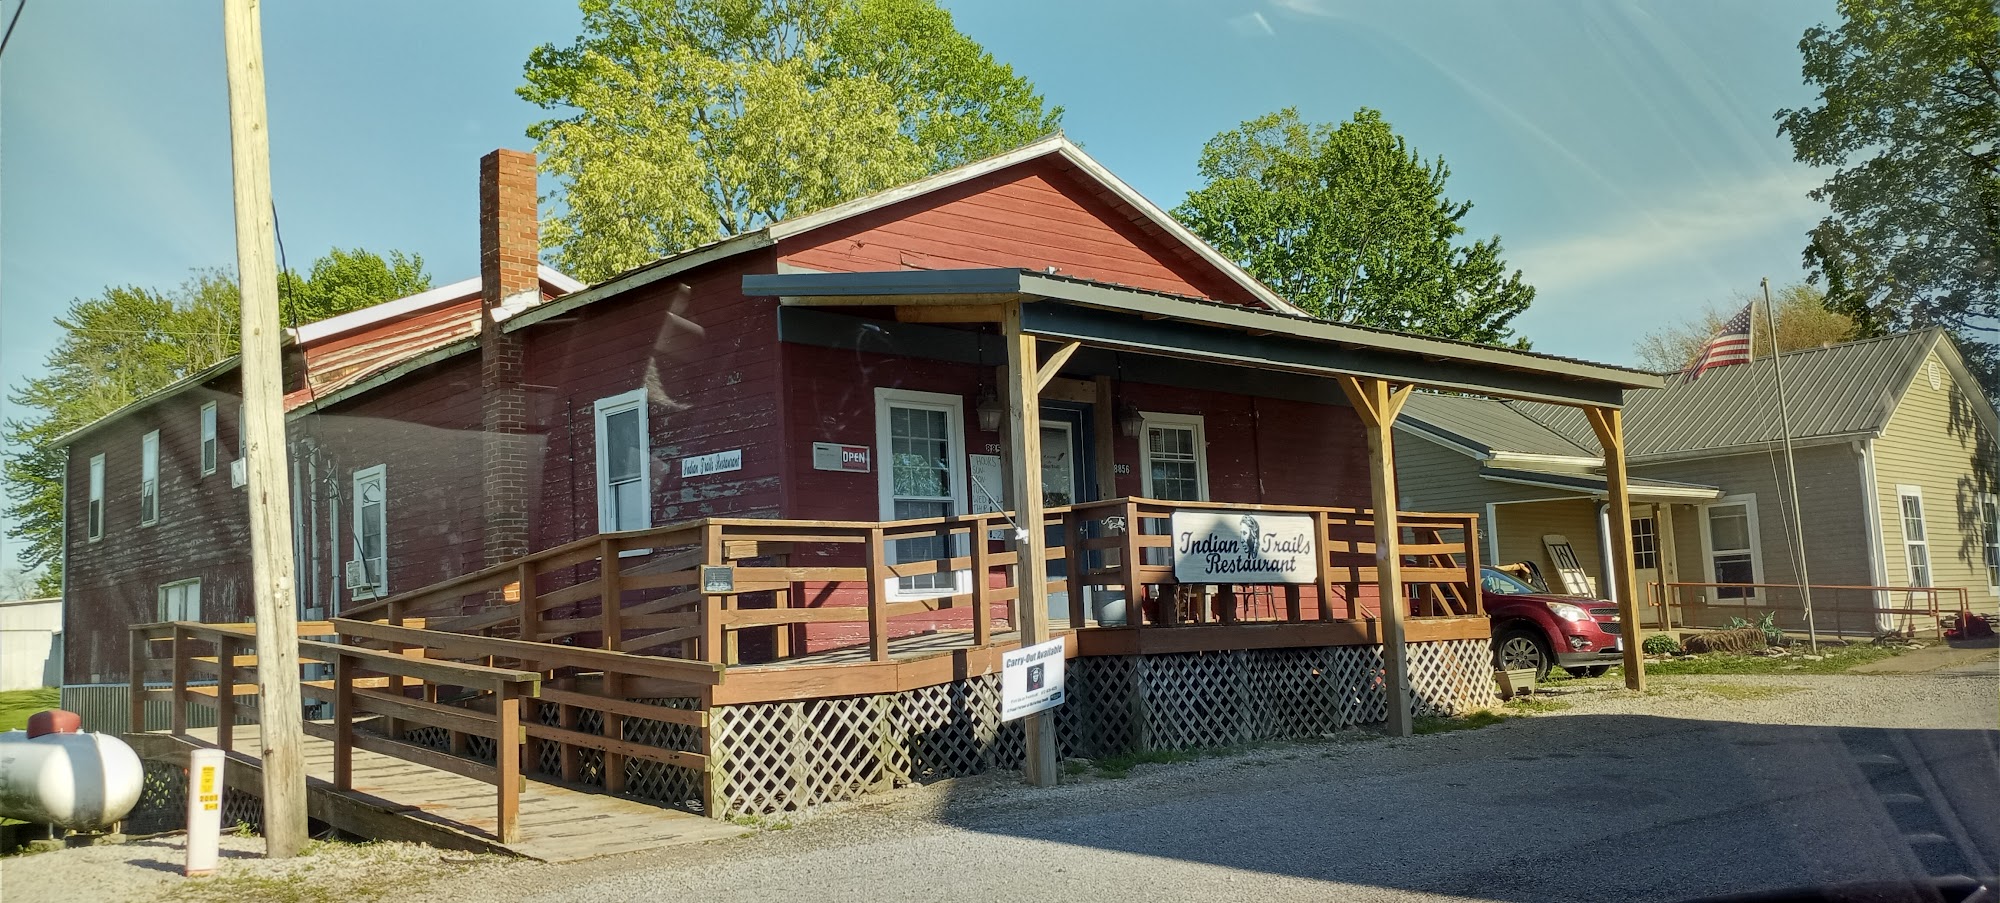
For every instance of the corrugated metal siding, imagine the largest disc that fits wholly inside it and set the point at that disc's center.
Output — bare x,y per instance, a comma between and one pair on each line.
1490,425
1832,495
1935,441
107,709
1836,390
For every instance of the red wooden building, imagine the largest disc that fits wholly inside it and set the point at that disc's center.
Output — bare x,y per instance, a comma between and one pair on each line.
839,370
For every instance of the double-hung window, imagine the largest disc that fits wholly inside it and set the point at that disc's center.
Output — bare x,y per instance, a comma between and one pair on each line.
1916,539
1729,533
923,475
94,526
1174,457
149,479
208,449
1989,534
371,528
623,501
180,601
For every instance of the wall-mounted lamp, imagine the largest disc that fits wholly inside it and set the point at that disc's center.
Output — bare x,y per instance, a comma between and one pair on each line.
989,410
1130,421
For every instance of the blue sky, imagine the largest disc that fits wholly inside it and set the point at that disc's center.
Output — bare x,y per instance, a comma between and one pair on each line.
1624,151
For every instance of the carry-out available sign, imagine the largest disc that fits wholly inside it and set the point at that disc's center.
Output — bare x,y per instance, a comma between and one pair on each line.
1031,679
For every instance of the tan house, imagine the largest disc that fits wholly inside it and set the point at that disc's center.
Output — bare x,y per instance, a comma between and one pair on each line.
1894,450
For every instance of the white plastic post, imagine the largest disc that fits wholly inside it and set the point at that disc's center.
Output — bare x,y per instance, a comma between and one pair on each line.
204,805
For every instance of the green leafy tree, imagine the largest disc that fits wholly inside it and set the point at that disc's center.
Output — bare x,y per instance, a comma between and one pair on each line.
1909,120
1804,321
685,121
1351,224
129,342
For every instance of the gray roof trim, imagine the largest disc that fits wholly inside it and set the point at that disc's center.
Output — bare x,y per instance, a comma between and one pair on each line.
1272,340
165,392
1594,484
1444,438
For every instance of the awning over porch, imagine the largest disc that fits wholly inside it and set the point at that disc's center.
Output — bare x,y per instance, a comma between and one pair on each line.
1585,481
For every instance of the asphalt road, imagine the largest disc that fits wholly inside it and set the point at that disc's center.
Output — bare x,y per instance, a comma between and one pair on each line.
1713,786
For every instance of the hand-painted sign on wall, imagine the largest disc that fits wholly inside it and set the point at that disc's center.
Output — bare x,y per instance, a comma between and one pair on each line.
1244,547
720,462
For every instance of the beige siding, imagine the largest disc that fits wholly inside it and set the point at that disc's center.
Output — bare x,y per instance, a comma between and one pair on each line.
1522,525
1936,442
1833,501
1433,477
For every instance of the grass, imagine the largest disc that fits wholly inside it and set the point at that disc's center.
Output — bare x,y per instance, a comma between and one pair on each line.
1121,766
1837,659
17,705
1471,722
1535,704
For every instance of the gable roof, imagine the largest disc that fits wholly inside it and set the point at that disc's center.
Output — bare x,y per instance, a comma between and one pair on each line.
1832,393
1056,145
1486,426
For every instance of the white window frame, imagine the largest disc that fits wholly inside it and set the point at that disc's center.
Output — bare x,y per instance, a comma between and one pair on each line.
378,474
1989,539
1907,491
93,512
149,477
953,407
603,409
1150,419
211,452
1749,503
1652,532
161,603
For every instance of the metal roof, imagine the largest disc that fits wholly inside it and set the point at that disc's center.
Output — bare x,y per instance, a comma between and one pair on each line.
1592,482
1832,392
1486,425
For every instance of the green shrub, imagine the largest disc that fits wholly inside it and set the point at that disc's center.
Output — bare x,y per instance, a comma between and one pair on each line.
1661,644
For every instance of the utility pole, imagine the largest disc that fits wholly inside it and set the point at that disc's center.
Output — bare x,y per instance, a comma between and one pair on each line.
281,734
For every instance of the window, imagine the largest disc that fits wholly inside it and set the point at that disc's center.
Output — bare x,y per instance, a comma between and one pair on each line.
622,463
181,601
95,516
1645,544
1174,457
371,527
1916,544
1989,528
149,479
208,452
922,436
1729,535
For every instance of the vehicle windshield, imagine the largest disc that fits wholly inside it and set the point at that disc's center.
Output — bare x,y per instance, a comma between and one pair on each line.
1504,584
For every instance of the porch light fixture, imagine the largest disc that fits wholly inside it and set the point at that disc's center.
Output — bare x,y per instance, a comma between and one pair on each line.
989,410
1130,422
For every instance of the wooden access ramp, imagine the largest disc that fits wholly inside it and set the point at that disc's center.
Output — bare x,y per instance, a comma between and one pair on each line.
397,799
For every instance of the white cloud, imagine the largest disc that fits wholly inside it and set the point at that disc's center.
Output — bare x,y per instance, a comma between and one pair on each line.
1252,25
1681,227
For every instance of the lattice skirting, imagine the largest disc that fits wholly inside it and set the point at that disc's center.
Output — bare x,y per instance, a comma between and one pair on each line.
780,756
162,806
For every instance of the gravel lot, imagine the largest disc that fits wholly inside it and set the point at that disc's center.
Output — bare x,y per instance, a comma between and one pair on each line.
1708,785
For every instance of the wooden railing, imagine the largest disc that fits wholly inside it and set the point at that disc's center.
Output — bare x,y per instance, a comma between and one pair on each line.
1837,609
792,584
365,683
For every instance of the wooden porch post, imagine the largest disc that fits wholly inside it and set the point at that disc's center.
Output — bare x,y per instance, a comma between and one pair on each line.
1670,562
1024,459
1378,406
1609,424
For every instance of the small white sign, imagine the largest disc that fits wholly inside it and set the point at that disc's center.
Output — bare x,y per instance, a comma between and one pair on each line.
1244,547
1031,679
720,462
204,810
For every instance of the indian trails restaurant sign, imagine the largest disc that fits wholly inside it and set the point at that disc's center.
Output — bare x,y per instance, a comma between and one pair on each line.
1244,547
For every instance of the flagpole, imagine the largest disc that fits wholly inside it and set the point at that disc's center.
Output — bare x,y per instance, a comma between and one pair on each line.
1791,467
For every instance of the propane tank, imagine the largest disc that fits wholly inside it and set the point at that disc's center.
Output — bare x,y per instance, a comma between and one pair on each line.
80,781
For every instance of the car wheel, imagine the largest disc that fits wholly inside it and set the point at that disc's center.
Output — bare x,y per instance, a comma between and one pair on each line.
1588,671
1521,648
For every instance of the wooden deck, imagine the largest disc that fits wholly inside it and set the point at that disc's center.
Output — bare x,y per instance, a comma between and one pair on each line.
396,799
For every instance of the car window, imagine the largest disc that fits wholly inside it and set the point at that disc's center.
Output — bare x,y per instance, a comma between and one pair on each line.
1497,582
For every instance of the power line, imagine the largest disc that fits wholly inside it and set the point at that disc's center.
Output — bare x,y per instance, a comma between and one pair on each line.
10,26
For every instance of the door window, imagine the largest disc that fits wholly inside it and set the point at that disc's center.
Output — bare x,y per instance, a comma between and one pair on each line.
1645,544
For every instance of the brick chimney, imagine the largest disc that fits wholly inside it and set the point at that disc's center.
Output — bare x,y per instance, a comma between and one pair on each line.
509,249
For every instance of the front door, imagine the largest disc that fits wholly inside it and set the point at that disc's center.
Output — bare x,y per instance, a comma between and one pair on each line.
1066,480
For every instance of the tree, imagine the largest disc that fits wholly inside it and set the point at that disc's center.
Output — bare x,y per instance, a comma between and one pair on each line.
685,121
1909,119
1804,321
1351,224
129,342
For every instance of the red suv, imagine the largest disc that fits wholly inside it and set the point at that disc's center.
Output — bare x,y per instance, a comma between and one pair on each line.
1534,629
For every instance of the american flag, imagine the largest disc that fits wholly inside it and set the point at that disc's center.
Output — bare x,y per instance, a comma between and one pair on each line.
1730,346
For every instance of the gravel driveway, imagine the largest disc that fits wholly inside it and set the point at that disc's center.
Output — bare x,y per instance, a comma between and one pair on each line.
1707,786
